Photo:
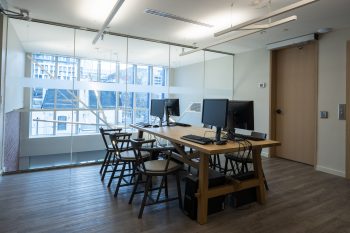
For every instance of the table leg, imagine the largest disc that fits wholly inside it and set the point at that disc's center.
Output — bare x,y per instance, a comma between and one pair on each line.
258,171
202,210
140,134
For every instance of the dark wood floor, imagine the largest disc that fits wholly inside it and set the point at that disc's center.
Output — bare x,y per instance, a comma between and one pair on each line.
75,200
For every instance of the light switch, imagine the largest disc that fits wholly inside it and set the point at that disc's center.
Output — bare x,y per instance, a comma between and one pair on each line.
324,114
341,111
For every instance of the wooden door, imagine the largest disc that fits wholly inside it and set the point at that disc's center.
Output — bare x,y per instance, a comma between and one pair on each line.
294,109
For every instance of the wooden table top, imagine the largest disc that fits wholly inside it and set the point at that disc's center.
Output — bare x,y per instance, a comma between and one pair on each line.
174,134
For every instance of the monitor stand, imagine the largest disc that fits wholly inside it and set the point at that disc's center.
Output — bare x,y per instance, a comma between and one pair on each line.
167,118
217,137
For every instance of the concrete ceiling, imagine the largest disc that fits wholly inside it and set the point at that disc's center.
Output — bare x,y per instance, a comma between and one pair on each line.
132,20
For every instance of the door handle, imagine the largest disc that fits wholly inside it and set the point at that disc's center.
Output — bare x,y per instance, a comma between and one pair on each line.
278,111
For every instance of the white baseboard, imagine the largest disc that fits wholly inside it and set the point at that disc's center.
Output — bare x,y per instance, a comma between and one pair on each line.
330,171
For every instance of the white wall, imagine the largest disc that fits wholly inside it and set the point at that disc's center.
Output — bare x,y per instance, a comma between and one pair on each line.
210,79
253,67
14,71
250,69
332,91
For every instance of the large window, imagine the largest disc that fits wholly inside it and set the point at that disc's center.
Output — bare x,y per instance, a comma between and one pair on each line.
83,111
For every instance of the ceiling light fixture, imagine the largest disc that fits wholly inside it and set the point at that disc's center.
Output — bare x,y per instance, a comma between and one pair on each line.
108,20
243,34
270,25
172,16
258,28
267,16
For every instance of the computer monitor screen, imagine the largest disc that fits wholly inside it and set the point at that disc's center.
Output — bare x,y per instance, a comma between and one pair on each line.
157,108
240,115
172,107
214,113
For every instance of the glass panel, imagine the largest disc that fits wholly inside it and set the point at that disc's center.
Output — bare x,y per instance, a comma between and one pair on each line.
41,58
108,72
151,72
142,75
110,116
187,82
88,70
108,99
42,123
43,66
125,99
67,67
89,120
126,73
158,77
63,128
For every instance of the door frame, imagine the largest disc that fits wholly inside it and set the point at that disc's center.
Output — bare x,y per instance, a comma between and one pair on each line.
273,98
347,101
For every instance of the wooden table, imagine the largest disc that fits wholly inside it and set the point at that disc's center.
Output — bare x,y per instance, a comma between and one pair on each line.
174,133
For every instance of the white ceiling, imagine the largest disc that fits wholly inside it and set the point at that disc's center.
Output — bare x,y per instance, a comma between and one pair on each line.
132,20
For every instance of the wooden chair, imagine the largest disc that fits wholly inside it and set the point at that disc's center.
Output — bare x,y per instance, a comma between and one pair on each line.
154,168
109,149
124,155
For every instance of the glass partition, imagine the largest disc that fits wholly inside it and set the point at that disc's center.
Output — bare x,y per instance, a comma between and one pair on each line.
61,88
150,62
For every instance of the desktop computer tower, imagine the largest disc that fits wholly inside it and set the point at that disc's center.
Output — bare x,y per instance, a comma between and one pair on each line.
243,197
215,204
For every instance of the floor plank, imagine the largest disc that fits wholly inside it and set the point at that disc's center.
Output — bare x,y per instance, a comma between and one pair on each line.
75,200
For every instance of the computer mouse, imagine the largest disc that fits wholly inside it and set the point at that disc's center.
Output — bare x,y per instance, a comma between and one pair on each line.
155,126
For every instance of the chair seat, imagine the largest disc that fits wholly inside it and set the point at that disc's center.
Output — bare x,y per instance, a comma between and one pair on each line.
236,158
130,156
158,166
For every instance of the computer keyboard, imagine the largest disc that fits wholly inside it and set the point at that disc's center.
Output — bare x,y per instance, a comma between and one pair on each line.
182,124
143,124
197,139
248,137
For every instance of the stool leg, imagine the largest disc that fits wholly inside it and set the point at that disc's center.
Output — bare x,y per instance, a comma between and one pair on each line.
226,163
135,188
119,180
179,189
166,186
148,183
113,173
160,188
104,161
107,165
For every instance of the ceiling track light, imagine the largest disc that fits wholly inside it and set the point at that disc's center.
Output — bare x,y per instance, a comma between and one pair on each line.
108,20
267,16
176,17
270,25
243,34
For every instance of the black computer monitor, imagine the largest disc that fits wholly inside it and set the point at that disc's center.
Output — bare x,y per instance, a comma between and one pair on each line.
172,108
214,113
157,109
240,115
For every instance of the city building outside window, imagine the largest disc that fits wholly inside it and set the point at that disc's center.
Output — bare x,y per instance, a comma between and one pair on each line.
89,109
